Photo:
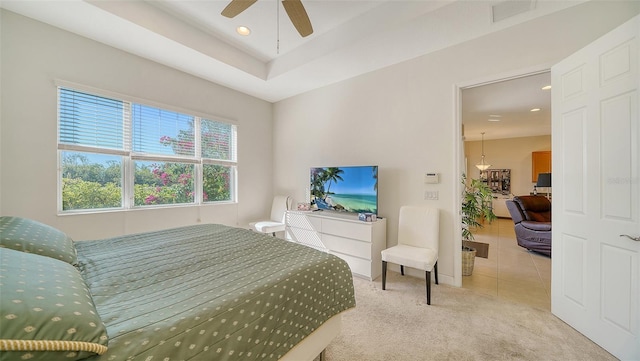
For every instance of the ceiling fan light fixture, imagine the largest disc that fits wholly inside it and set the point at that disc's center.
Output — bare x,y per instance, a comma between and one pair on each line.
243,30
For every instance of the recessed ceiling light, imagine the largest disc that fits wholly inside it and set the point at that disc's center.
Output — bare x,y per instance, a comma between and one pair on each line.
243,30
493,119
546,87
535,109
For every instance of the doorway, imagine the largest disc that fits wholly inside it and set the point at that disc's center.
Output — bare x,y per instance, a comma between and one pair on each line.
515,116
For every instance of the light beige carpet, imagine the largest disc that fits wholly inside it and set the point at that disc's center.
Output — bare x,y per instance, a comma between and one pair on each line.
460,324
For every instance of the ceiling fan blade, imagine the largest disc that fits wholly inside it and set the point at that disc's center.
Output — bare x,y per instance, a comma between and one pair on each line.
298,16
235,7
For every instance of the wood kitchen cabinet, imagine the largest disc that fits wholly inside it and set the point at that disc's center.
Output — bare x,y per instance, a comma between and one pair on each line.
540,163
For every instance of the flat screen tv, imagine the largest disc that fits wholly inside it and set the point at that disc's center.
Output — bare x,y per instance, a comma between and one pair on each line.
345,189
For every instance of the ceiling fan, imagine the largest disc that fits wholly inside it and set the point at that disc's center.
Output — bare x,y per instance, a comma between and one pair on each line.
294,8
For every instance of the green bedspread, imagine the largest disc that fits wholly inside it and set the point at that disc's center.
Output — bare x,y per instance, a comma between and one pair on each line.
210,292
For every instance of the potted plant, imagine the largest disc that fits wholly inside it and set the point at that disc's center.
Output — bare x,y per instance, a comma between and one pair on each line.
476,207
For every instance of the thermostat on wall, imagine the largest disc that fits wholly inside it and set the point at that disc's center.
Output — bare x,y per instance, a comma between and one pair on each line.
432,178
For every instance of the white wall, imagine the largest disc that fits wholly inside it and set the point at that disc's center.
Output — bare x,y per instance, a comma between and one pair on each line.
510,153
403,118
35,54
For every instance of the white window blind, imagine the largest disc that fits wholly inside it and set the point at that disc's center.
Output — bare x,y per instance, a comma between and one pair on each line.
218,140
159,131
90,120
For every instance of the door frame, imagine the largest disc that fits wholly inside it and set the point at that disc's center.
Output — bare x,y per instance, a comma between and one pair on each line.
458,150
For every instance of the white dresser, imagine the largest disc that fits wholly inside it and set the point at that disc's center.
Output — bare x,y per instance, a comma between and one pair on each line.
358,243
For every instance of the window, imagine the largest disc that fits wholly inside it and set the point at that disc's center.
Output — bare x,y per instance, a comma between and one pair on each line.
117,154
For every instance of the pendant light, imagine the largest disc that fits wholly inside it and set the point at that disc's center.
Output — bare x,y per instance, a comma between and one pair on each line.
482,166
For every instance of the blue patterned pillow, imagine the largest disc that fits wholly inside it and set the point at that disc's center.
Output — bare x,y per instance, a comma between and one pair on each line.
27,235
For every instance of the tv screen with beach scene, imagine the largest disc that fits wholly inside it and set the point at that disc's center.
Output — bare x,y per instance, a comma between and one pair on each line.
345,189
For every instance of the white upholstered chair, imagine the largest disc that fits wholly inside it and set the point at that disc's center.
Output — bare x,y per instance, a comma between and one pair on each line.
280,205
418,236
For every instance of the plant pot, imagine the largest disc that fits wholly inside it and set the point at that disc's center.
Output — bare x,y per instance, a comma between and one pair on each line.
468,259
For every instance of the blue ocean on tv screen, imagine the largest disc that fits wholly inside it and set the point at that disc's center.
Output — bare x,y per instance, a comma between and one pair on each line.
345,189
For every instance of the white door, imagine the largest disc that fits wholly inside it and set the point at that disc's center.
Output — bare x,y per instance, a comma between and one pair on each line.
596,198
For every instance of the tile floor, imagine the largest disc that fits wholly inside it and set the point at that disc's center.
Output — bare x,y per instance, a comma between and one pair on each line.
510,272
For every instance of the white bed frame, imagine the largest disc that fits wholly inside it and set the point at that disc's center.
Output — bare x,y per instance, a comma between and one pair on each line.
314,344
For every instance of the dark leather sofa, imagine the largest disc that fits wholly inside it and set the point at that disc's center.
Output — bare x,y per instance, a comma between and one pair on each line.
531,216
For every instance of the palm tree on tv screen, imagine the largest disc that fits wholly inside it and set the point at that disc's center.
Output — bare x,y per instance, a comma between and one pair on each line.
332,174
375,176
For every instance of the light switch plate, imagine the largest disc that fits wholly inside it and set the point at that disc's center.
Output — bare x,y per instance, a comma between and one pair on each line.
431,195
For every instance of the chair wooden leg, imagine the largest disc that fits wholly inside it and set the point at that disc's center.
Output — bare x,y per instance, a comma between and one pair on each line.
428,276
384,274
435,268
402,270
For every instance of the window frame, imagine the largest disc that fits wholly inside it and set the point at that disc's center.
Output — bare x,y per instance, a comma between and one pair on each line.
129,156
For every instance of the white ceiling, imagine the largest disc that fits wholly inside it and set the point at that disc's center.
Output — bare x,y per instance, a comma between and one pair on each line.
351,37
262,18
510,103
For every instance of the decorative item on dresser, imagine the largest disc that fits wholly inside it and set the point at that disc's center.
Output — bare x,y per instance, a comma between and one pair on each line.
358,243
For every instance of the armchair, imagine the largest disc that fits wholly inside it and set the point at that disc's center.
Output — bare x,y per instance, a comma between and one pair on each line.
531,217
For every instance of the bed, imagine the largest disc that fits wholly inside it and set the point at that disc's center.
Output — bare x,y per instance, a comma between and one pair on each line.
203,292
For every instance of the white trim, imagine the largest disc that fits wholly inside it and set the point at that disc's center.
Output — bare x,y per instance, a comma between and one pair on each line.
508,75
458,152
228,163
128,192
